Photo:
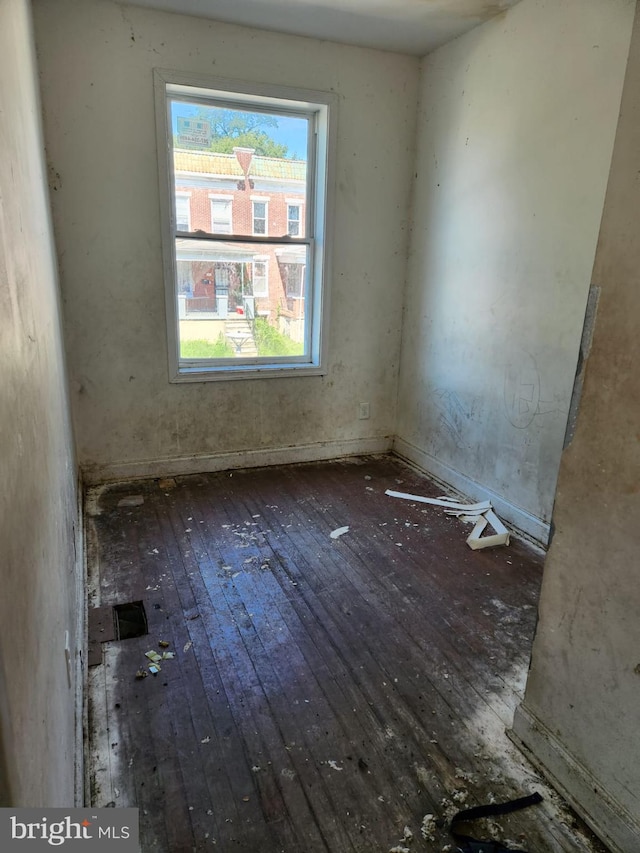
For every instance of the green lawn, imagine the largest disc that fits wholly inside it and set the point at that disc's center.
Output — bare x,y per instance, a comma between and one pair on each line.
269,341
206,349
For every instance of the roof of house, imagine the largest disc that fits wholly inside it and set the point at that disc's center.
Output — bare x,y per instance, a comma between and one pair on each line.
213,163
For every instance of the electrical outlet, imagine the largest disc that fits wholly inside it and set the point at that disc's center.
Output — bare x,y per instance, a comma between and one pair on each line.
364,411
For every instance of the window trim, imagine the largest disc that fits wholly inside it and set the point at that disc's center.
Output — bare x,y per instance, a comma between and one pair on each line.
187,197
229,203
260,200
264,260
289,203
320,200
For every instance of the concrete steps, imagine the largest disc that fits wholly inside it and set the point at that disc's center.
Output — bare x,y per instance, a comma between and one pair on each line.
239,334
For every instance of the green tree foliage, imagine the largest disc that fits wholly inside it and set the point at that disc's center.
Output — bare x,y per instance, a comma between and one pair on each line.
257,139
232,128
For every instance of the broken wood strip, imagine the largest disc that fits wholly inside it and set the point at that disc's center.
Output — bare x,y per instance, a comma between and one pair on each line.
475,540
470,569
337,594
446,503
384,583
357,632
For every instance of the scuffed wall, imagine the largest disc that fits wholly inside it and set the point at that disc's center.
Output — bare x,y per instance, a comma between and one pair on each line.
96,62
581,710
38,501
516,126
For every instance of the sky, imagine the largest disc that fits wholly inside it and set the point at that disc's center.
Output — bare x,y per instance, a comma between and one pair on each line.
291,131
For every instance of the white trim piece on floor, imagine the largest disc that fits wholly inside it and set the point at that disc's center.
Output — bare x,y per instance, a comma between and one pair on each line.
523,522
610,821
207,463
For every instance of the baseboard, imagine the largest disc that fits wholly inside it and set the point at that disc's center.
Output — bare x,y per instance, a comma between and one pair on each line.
610,821
205,463
532,528
81,710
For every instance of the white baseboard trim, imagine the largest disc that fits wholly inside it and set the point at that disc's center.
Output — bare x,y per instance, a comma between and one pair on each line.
610,821
81,645
523,522
206,463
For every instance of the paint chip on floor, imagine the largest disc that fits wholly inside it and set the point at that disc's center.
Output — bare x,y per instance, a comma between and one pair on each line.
338,532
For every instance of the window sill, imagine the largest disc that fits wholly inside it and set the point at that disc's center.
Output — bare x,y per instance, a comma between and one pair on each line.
222,374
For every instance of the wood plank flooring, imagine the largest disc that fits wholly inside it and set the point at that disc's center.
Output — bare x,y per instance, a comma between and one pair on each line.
325,693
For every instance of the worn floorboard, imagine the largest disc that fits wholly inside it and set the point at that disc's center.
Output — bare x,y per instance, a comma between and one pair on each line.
325,693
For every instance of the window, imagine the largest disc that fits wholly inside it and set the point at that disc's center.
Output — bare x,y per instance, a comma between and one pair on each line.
293,220
260,278
183,212
221,216
283,151
260,217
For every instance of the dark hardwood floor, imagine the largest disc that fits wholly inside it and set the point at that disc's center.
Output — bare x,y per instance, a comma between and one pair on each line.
325,693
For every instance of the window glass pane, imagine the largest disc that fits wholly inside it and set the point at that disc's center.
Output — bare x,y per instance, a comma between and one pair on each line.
221,217
293,220
182,213
220,150
241,300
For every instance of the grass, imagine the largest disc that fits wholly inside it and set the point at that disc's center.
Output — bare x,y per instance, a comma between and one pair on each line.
270,342
206,349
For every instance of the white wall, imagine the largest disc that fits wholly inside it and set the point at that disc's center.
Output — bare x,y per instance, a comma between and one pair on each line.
38,497
96,61
582,706
516,127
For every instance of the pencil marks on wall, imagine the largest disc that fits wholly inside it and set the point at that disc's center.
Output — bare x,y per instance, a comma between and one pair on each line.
522,392
453,415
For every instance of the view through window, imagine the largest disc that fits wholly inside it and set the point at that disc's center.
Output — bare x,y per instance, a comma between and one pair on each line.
247,203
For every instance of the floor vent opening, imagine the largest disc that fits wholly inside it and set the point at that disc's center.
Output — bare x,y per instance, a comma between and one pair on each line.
130,620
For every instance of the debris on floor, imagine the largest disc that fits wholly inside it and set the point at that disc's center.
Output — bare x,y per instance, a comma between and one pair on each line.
167,483
480,514
154,658
338,532
466,843
429,827
131,500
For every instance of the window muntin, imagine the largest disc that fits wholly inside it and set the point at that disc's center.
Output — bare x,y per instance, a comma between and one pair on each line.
260,217
183,212
231,269
293,220
260,277
221,216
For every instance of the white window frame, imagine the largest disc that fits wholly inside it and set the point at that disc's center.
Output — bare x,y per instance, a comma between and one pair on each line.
185,196
255,199
290,202
321,110
228,199
264,260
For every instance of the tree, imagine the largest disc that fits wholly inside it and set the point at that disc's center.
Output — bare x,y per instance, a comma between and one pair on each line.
232,128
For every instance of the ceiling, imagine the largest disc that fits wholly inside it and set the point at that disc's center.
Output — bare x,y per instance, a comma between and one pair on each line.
406,26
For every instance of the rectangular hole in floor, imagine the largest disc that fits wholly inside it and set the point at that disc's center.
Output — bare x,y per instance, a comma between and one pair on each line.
130,620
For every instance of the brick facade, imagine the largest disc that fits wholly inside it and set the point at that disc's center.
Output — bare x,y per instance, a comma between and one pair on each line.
242,180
